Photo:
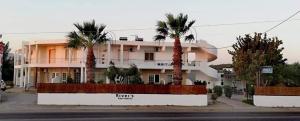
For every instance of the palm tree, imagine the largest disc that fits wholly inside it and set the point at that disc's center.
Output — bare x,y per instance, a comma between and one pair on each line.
87,36
175,28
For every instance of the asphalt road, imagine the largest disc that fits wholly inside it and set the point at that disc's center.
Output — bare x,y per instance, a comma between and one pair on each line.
151,116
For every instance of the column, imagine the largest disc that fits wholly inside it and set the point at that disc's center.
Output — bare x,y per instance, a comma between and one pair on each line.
36,53
28,76
29,53
108,52
81,67
121,55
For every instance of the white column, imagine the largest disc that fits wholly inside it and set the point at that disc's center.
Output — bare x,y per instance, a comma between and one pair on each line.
36,53
81,68
28,75
121,55
22,68
108,52
29,53
14,79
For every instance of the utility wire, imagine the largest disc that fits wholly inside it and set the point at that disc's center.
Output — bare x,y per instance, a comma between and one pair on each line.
204,25
268,30
151,28
282,22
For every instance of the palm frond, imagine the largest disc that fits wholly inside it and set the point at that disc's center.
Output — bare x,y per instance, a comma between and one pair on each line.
159,37
74,41
88,34
189,37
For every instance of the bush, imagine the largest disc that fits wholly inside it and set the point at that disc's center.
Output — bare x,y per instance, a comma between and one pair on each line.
228,91
248,102
209,90
70,80
218,90
214,97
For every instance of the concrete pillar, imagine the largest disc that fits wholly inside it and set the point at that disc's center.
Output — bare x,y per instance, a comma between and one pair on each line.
121,55
81,67
29,53
28,75
36,53
14,79
108,52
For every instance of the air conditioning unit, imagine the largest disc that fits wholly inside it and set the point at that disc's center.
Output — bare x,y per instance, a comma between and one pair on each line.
139,39
123,38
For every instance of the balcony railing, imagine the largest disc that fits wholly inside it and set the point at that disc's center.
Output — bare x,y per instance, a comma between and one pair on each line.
126,62
53,61
153,63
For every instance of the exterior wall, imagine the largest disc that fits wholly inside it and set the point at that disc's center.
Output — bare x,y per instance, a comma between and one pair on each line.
35,56
276,101
118,99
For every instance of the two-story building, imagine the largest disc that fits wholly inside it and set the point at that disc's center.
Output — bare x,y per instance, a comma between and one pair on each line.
51,61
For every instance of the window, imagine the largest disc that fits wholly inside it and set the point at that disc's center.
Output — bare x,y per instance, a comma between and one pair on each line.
64,76
149,56
54,75
153,79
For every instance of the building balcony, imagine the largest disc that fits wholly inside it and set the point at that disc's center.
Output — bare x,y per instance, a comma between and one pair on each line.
53,62
149,64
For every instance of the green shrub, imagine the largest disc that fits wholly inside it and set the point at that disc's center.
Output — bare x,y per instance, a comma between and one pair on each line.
70,80
209,90
228,91
248,102
101,81
214,97
218,90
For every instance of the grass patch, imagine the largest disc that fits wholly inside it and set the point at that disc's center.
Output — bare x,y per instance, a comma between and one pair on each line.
249,101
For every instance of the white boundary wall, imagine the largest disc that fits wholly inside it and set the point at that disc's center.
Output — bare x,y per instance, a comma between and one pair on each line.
276,101
120,99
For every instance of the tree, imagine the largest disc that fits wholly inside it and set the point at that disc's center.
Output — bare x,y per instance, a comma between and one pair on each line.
7,64
251,53
87,36
175,28
291,74
126,76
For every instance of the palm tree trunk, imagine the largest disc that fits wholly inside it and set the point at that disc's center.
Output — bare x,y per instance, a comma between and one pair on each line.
177,62
90,65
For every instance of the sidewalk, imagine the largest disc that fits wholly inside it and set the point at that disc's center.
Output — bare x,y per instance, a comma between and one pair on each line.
20,101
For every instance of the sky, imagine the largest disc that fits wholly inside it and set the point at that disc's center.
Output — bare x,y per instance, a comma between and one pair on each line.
123,16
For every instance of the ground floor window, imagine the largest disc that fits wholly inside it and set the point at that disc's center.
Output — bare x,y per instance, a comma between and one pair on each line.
154,79
64,76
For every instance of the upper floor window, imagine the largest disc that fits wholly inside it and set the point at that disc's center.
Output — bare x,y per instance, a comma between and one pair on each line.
149,56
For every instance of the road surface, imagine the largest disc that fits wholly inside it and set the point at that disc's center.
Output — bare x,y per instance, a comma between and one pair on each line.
151,116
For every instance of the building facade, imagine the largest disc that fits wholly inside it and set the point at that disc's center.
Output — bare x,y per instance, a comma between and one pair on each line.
52,61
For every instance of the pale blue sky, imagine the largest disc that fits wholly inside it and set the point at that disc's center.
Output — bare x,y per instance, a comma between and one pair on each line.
22,16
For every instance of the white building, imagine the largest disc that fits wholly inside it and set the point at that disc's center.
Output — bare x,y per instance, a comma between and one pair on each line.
50,61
